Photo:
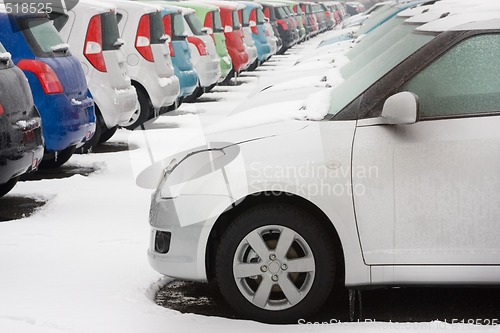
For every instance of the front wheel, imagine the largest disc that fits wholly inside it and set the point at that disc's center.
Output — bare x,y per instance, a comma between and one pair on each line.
275,264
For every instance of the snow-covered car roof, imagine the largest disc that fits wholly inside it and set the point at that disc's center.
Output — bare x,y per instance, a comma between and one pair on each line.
468,21
146,8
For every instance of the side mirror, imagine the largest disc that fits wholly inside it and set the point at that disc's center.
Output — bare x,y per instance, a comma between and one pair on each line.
207,30
228,29
401,109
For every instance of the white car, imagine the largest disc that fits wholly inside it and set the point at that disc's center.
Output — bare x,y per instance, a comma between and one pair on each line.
204,56
247,38
271,38
398,184
148,59
98,47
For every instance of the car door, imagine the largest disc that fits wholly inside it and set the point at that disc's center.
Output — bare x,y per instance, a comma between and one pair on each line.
435,198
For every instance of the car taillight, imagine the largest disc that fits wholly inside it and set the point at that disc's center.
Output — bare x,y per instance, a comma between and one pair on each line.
200,45
254,30
93,44
45,74
143,40
171,48
1,110
283,24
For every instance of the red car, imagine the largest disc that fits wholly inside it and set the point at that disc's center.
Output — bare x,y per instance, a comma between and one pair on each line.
233,33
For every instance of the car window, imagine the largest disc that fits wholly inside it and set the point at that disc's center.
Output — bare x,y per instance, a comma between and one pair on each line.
217,21
110,33
260,16
194,23
2,49
157,29
355,85
371,50
244,19
178,25
376,19
463,81
280,13
59,20
236,20
42,35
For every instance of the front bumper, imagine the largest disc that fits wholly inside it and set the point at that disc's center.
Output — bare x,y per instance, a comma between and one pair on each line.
189,229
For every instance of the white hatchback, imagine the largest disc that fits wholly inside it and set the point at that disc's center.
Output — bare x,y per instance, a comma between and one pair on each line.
397,185
204,56
97,44
147,55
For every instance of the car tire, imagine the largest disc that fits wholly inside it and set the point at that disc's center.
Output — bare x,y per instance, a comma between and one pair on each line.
7,187
107,134
292,276
90,145
144,108
50,161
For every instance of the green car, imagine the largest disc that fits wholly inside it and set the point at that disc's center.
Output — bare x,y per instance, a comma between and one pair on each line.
210,16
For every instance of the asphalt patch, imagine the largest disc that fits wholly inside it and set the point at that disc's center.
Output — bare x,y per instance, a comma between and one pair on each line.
15,208
452,305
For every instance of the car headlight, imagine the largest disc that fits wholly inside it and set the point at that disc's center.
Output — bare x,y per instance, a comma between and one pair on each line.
202,172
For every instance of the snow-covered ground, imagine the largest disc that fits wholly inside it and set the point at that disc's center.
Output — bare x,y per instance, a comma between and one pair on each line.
79,263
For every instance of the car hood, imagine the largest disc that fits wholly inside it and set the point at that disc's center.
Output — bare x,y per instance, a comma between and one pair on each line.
247,126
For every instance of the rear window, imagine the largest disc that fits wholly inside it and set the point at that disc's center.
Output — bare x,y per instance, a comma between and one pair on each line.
260,16
236,20
42,37
280,13
217,22
178,26
157,30
110,33
244,19
194,24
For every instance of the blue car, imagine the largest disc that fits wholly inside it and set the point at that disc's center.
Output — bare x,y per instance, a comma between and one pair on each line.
179,51
57,82
256,19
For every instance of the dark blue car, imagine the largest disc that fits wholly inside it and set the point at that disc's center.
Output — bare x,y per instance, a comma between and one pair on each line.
57,82
179,51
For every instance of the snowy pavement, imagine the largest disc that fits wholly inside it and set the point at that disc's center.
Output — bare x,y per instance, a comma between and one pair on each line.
79,263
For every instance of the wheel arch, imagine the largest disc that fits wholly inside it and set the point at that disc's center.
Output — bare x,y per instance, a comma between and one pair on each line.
224,220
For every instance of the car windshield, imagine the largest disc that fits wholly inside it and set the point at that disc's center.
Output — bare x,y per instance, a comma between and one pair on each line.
372,50
374,36
376,19
260,16
236,20
157,28
43,35
178,25
217,21
110,32
194,24
366,76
